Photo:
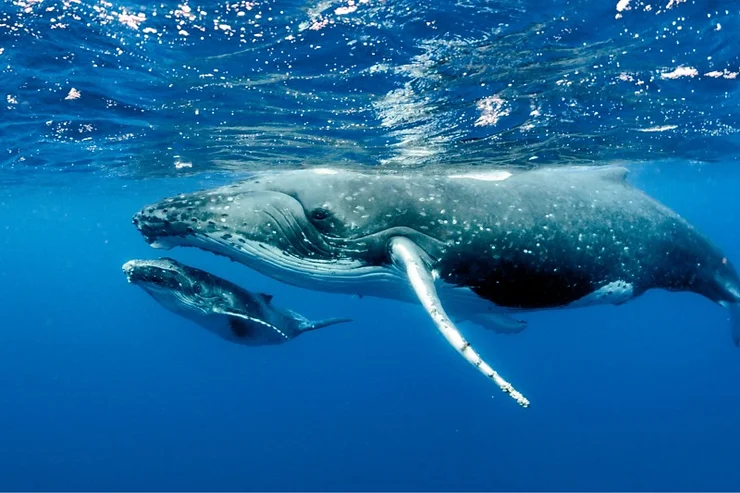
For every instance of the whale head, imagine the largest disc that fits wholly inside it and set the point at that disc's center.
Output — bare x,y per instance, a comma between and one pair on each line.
308,228
173,284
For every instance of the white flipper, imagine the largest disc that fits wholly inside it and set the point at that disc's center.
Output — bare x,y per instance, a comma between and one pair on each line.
407,256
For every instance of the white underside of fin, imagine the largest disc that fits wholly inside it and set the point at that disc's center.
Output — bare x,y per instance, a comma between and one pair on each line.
407,256
614,293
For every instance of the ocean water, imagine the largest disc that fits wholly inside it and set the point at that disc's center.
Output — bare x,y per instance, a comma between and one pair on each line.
107,106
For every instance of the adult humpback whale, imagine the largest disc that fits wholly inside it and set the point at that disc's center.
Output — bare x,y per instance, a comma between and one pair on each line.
470,244
227,310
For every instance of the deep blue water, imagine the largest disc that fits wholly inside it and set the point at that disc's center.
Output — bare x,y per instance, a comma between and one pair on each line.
100,388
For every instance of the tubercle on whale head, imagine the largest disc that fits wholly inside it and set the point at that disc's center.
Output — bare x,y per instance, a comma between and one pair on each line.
264,229
159,224
163,272
172,221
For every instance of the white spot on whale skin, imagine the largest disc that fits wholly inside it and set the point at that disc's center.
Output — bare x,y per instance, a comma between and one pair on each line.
325,171
486,176
614,293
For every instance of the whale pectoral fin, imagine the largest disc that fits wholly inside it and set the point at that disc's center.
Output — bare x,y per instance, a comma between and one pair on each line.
320,324
409,258
243,325
226,312
239,324
305,325
499,323
734,309
239,327
462,304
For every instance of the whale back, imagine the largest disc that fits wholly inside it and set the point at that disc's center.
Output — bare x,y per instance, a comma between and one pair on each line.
548,238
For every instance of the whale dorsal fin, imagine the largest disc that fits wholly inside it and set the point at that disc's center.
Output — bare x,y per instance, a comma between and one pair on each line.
616,174
265,297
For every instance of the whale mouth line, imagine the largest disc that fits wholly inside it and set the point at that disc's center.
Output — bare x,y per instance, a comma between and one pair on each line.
274,235
257,250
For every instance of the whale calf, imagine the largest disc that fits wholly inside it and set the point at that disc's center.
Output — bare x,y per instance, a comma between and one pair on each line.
227,310
480,246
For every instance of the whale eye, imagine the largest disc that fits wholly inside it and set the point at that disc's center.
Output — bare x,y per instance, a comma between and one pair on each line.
320,213
325,220
197,288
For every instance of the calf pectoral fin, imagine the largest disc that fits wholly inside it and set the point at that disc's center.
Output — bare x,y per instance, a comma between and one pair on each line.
239,327
240,323
409,257
497,322
734,309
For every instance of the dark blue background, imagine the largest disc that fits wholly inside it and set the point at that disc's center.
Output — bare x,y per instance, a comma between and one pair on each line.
100,388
